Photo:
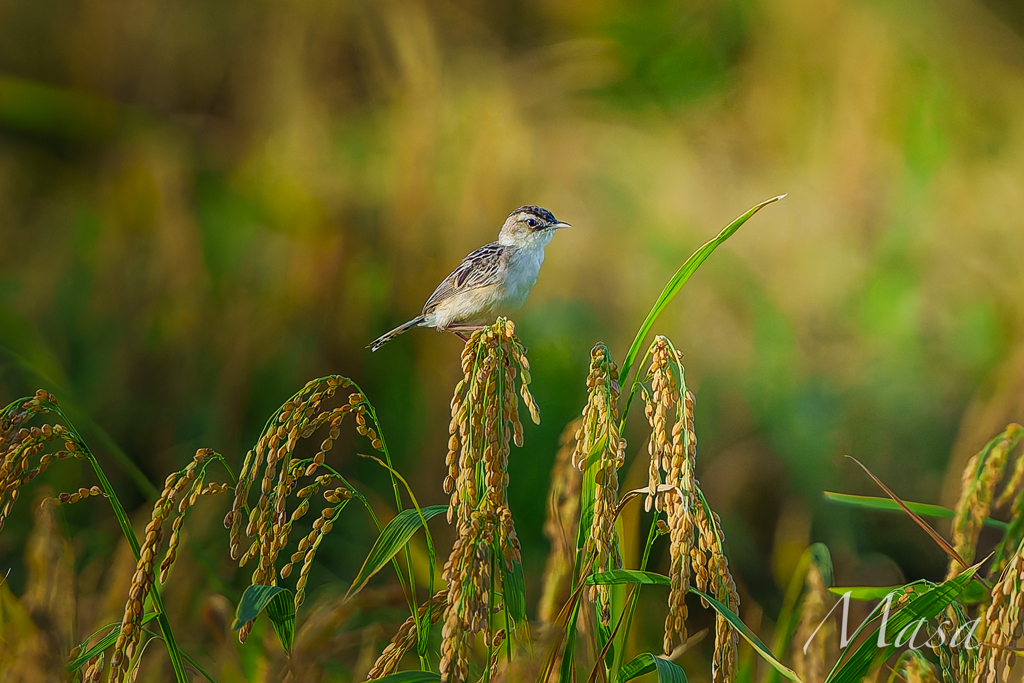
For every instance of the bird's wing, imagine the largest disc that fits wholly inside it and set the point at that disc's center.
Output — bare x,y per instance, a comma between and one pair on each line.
479,269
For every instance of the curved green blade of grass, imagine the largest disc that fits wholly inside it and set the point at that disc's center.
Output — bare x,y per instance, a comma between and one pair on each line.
668,672
411,677
889,505
748,635
515,592
680,279
105,642
394,537
618,576
280,607
924,606
627,576
973,594
866,593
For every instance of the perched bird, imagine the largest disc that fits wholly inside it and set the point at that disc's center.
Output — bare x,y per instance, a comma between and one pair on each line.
493,280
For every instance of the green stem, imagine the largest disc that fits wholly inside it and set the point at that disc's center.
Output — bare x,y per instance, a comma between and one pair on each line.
490,619
411,591
635,597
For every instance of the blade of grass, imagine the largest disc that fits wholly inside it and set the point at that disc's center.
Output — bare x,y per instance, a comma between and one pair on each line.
280,608
668,672
925,606
411,677
889,505
627,576
601,663
679,279
748,635
102,644
394,537
868,593
422,623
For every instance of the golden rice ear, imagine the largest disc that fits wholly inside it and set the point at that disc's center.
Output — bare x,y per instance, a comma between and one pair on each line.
484,423
280,473
599,444
1002,623
406,638
981,476
180,492
19,446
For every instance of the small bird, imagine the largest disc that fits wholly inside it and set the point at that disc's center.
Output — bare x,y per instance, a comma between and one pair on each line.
493,280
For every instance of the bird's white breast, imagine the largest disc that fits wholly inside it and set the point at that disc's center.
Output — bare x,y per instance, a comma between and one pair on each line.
521,276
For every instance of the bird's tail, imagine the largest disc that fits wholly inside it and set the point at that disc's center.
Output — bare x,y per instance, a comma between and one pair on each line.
385,338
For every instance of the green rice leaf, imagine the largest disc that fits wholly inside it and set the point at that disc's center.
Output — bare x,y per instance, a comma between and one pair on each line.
411,677
280,606
889,505
668,672
926,606
515,593
394,537
748,635
866,593
105,642
680,279
630,576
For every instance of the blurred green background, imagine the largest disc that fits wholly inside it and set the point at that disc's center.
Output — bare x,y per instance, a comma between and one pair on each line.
205,204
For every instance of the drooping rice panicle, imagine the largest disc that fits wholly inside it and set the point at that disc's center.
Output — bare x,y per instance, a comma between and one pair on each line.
1012,494
711,569
181,490
671,482
298,418
405,639
20,445
484,423
958,663
599,445
288,483
982,474
1002,627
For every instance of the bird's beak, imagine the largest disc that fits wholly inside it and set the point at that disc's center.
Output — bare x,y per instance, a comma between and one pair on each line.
556,226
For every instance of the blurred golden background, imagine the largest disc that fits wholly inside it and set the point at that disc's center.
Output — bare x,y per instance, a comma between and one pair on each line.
205,204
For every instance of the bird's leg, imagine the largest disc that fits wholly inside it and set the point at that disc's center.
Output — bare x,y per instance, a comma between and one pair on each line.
459,329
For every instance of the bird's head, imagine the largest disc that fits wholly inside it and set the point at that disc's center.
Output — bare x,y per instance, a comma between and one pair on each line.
529,226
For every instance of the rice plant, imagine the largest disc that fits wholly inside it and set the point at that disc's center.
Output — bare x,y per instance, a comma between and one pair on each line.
475,627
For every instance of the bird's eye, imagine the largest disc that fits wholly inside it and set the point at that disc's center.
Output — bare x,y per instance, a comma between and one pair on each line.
532,222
